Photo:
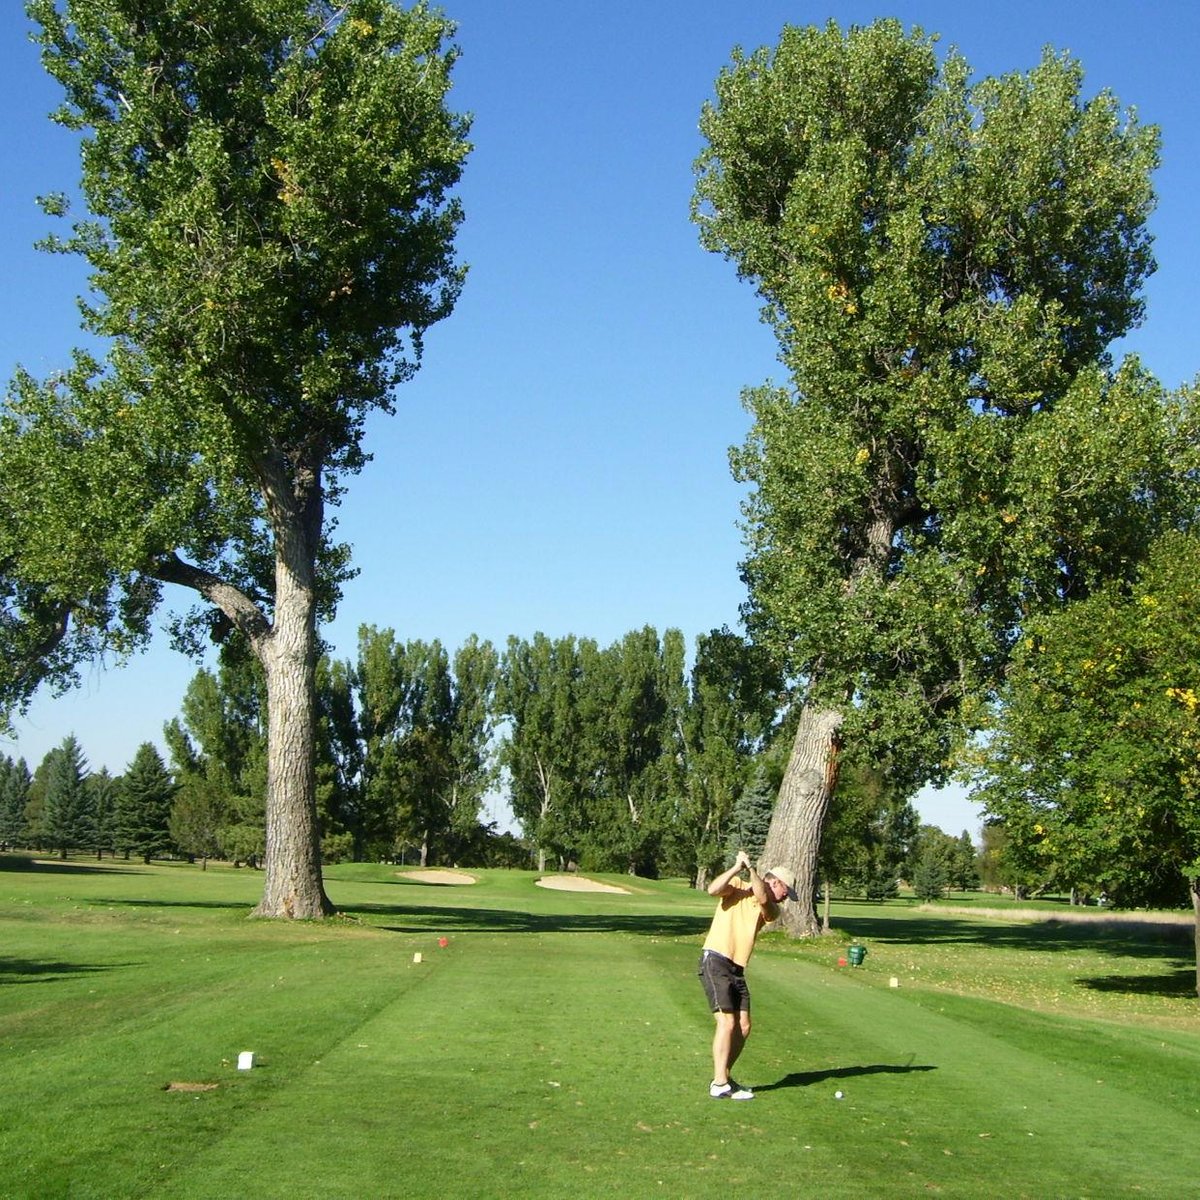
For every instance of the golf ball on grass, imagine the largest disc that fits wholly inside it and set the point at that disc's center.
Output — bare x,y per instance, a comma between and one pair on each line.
838,1095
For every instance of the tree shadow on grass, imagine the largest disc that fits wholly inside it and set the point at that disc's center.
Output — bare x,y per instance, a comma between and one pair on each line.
130,902
1179,984
1125,936
418,918
49,866
32,970
426,918
808,1078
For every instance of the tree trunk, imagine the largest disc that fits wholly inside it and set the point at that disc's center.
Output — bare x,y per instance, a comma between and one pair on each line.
1194,884
700,880
794,839
544,784
293,887
292,862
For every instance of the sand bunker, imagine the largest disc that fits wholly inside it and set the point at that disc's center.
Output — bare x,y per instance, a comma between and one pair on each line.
577,883
452,877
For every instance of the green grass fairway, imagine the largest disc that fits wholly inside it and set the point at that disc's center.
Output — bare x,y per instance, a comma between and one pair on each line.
558,1046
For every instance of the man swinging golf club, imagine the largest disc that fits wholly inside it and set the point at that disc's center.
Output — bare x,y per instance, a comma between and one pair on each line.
743,910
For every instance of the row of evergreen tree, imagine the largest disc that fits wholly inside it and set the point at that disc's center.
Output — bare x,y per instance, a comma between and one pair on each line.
63,807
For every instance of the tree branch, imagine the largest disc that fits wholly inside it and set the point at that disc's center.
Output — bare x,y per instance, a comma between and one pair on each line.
246,616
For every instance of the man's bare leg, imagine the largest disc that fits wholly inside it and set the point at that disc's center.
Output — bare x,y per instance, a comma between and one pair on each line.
729,1038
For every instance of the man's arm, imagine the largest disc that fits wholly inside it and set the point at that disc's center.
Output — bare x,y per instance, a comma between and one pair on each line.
762,893
720,885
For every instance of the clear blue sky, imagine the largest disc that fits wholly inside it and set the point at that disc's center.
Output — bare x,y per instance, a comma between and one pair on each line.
559,464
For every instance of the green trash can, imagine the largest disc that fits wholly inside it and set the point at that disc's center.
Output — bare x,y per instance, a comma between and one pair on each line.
856,954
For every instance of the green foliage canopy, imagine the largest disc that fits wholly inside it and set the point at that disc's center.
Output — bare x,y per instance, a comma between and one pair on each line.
1094,766
944,263
218,750
270,234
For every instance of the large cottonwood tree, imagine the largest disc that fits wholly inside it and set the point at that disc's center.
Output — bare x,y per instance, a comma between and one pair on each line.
270,234
945,263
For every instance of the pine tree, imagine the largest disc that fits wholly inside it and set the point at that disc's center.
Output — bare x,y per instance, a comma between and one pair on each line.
751,817
14,795
35,806
964,869
103,788
930,877
69,820
147,791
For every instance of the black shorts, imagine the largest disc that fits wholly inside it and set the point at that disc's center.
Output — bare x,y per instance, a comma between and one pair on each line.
724,983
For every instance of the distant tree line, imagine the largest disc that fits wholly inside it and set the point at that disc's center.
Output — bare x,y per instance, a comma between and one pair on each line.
624,757
612,758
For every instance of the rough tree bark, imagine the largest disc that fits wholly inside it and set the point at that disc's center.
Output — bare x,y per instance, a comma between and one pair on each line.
288,652
293,886
794,839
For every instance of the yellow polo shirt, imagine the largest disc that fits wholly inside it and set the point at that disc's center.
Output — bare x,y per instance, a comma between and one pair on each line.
736,923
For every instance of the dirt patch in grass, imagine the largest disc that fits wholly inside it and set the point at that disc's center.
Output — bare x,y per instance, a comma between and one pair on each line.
578,883
456,878
191,1087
